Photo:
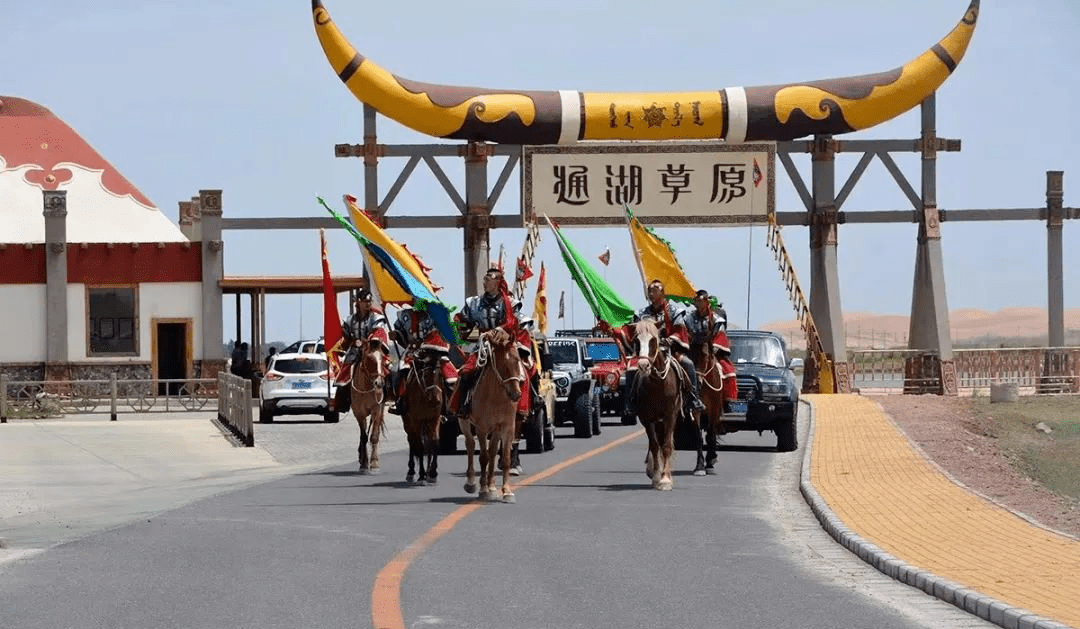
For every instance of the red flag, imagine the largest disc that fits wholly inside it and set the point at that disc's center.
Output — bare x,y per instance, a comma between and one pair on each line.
757,174
605,257
331,318
523,270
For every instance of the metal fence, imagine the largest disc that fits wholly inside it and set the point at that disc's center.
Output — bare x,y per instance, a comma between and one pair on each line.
234,406
1034,370
56,398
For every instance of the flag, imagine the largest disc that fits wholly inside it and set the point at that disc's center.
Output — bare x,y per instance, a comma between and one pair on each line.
605,303
501,251
540,307
523,271
656,261
331,318
562,304
757,174
416,290
605,258
382,285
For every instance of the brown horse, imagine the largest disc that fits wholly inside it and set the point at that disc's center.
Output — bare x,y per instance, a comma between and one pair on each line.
367,394
659,400
499,386
423,412
712,395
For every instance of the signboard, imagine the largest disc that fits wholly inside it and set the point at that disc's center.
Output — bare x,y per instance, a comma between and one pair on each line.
663,183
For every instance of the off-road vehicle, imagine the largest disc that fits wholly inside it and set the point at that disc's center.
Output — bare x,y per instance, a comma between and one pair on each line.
768,394
576,399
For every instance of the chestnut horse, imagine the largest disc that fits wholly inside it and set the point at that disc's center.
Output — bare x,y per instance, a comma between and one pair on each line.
423,412
493,411
367,382
711,376
659,400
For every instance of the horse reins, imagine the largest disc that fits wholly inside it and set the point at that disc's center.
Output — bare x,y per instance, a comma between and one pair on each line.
482,357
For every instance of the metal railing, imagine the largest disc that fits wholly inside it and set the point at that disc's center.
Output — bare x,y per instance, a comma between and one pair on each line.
1038,370
56,398
234,406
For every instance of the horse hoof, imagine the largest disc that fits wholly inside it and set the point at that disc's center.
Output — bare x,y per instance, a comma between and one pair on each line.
470,488
509,499
710,471
664,485
363,471
699,472
409,478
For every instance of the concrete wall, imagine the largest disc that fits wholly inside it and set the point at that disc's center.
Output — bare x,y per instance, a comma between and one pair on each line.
22,334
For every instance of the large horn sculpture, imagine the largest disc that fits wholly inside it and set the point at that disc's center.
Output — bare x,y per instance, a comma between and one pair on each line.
735,114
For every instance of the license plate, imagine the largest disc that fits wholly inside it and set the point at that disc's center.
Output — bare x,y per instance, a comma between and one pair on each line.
301,384
737,407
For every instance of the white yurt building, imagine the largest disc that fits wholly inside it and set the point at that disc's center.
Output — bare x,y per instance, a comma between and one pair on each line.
94,278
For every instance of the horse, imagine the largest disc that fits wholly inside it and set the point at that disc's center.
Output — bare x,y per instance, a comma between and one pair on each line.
711,376
493,411
423,398
659,397
367,395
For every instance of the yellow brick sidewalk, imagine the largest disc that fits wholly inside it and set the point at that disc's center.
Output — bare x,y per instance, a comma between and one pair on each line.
885,491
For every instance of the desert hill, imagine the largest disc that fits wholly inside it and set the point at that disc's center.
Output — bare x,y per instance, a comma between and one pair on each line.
1011,327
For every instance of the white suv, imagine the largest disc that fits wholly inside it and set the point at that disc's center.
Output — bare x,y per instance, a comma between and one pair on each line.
297,384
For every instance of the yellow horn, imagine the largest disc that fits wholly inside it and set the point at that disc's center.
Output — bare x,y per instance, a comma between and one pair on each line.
738,114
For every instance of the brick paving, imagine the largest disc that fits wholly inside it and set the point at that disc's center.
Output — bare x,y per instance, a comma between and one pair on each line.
882,488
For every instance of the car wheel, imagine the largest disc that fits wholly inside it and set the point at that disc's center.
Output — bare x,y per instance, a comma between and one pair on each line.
583,414
332,417
786,438
549,438
596,415
534,431
265,414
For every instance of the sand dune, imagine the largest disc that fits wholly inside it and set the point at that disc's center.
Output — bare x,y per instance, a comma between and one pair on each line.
968,325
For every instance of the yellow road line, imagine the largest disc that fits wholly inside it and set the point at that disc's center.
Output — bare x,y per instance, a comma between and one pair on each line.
386,594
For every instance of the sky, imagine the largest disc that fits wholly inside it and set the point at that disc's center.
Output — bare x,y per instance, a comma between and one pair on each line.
237,95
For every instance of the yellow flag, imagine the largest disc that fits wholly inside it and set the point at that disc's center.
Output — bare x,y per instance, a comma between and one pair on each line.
656,261
383,285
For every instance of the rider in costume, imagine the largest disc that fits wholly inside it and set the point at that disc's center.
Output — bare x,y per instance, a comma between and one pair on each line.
670,318
414,330
494,308
706,327
366,323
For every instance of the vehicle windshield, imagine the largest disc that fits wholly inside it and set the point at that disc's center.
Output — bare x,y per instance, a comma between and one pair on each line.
602,351
762,350
299,365
563,351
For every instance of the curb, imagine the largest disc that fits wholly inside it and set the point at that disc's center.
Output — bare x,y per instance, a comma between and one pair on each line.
971,601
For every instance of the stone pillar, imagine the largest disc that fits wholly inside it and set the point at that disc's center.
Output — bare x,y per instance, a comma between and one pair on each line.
824,270
928,327
1055,266
213,271
56,284
477,246
1056,375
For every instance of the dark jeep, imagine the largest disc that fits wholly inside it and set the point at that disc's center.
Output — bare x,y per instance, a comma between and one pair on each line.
768,394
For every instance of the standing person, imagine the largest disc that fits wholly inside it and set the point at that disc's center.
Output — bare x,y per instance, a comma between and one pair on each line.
367,322
492,309
670,318
236,359
415,330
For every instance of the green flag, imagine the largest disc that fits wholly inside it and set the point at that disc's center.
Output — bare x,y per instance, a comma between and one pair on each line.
605,303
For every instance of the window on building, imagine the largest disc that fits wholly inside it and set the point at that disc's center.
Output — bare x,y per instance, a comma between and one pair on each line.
113,314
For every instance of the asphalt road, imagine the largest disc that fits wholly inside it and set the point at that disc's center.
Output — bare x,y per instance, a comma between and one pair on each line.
591,546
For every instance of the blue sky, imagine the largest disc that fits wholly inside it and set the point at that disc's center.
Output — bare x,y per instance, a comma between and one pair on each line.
237,95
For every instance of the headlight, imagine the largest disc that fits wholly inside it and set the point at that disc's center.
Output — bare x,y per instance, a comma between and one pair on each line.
562,382
774,387
611,378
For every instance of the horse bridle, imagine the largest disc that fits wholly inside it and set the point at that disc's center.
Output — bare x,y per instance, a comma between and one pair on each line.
482,357
374,388
653,373
414,371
